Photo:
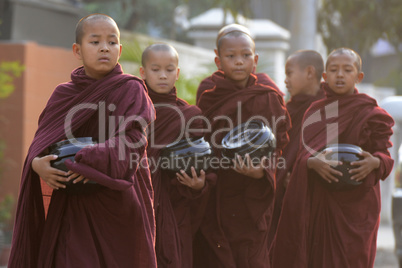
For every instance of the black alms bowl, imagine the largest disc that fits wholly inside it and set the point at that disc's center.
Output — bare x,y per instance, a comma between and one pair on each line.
346,153
253,138
67,149
186,153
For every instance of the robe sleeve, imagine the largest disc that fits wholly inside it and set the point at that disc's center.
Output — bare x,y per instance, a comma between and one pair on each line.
377,133
114,162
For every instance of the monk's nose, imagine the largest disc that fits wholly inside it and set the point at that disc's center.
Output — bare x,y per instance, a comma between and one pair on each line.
163,75
104,48
239,61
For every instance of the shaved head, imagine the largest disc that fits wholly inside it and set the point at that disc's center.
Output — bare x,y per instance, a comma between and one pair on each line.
80,28
158,47
345,50
235,34
231,28
304,58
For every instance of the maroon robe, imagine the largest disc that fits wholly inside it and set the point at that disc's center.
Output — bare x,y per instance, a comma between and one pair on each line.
235,228
296,107
323,228
113,226
262,78
172,199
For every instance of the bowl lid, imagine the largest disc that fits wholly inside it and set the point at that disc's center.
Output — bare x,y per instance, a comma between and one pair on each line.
194,146
250,135
70,146
344,148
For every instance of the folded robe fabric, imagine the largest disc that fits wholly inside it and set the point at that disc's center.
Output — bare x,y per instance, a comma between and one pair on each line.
262,78
323,228
114,226
296,107
238,215
174,119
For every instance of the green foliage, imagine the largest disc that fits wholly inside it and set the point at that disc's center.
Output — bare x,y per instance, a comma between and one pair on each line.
6,207
359,24
155,17
394,79
132,50
187,88
8,71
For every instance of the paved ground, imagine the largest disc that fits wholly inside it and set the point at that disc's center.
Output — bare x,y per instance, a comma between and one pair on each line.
385,248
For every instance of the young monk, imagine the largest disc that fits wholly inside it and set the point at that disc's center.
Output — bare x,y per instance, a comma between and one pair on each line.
234,232
112,226
173,194
262,78
303,71
320,227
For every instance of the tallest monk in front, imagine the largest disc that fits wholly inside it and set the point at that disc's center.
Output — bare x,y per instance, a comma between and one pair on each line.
234,231
110,222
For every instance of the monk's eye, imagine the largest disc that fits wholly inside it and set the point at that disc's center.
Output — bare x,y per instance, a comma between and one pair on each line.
95,42
112,43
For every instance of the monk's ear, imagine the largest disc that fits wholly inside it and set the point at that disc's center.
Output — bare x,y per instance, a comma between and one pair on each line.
218,63
177,73
121,49
77,51
360,77
256,59
142,73
310,71
216,52
324,75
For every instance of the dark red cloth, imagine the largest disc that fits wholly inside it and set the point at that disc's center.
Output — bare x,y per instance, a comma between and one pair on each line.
112,226
172,199
323,228
235,227
296,107
262,78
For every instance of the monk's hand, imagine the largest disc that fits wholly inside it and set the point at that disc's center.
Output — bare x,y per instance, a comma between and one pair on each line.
52,176
76,178
323,167
246,167
363,167
196,182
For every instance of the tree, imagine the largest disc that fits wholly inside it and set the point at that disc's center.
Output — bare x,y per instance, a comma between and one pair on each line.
155,17
359,24
8,71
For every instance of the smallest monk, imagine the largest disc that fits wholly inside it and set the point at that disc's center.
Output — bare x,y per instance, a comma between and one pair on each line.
303,70
320,226
174,194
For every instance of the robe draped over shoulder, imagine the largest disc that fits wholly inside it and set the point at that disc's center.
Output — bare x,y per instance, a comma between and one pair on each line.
323,228
114,225
238,215
175,120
